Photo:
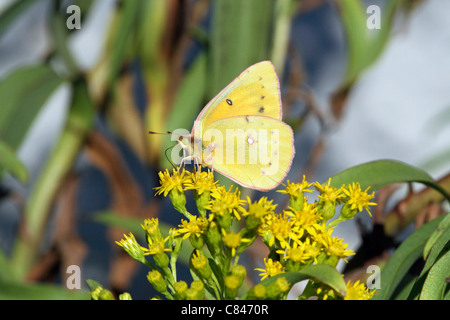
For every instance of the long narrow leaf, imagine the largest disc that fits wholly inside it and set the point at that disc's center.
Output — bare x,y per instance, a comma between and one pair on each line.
10,162
403,258
435,283
321,273
381,173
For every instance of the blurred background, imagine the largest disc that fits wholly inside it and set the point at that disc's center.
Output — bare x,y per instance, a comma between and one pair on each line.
80,87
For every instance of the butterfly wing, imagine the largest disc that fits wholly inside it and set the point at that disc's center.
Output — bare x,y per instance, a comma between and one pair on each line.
254,151
256,91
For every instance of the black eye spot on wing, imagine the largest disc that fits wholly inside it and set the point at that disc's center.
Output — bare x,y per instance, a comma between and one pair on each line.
229,102
262,97
261,110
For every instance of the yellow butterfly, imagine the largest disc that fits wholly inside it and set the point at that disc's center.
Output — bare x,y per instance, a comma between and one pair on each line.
239,133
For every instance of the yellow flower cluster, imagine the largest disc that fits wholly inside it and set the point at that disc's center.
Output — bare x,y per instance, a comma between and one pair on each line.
226,225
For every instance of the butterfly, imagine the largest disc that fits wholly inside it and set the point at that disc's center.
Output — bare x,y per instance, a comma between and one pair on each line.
240,134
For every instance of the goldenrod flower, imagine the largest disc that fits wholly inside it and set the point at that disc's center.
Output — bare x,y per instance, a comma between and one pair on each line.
280,227
196,226
173,185
300,252
225,206
272,268
306,219
257,211
358,199
201,181
132,247
233,240
336,248
328,198
157,246
328,192
169,182
152,231
295,192
358,291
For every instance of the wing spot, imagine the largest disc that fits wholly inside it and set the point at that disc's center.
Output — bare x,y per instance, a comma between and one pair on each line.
261,110
262,97
250,140
229,102
263,172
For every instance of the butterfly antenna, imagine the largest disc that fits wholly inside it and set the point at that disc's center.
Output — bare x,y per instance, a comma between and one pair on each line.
168,158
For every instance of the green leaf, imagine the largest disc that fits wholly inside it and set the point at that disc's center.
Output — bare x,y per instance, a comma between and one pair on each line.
403,258
319,273
92,284
240,36
188,101
10,162
20,291
443,230
364,45
436,281
22,94
381,173
354,22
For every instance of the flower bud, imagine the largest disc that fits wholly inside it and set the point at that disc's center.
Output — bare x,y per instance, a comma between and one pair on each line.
278,288
258,292
196,291
157,281
180,288
100,293
200,265
125,296
232,284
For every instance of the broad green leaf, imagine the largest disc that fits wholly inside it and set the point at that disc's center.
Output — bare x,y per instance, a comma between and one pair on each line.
22,94
320,273
21,291
381,173
436,281
12,164
403,258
